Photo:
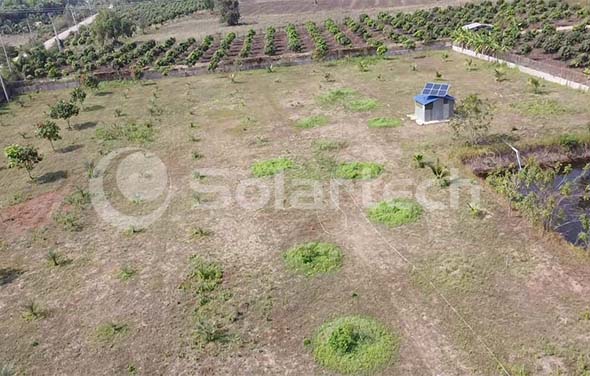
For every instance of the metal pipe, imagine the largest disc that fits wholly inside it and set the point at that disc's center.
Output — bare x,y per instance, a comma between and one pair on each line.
517,155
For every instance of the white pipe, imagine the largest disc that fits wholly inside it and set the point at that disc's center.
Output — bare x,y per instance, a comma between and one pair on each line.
517,155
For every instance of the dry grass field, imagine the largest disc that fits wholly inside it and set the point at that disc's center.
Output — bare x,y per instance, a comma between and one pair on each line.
477,296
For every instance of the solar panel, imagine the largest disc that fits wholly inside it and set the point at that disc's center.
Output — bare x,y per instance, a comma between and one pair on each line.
436,90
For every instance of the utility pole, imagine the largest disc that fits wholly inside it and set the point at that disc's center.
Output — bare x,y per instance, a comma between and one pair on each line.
68,6
5,53
4,89
55,32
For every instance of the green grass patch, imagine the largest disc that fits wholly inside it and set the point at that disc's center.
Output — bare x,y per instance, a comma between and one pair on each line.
312,122
271,167
135,133
126,273
354,345
336,96
540,107
382,122
328,145
204,276
110,331
396,212
359,170
361,105
349,99
314,258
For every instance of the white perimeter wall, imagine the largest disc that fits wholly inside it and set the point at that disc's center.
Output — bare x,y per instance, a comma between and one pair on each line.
523,69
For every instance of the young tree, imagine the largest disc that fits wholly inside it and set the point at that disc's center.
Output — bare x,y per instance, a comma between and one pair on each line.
49,131
22,157
109,25
78,95
230,11
472,119
64,110
535,85
90,81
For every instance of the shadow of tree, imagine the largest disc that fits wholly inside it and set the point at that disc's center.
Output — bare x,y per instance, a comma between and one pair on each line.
87,125
51,177
103,93
8,275
95,107
70,148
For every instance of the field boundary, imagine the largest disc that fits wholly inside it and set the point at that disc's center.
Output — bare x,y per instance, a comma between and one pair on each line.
524,65
23,87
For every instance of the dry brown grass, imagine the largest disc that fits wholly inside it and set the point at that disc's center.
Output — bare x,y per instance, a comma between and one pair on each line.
516,288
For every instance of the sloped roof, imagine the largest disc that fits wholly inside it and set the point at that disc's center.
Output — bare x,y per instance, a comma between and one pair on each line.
427,99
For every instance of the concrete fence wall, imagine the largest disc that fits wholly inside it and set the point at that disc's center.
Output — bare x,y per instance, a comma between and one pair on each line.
532,68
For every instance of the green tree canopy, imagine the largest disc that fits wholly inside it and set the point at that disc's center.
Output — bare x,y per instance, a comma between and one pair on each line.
111,26
22,157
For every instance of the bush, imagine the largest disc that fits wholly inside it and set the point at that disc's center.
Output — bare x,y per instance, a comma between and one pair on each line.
396,212
314,258
354,345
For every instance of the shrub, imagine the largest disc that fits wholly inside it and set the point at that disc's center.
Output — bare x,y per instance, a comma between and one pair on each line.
269,46
354,345
396,212
271,167
314,258
359,170
472,119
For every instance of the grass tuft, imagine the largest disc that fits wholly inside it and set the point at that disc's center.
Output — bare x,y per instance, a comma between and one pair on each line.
359,170
349,99
396,212
540,107
353,345
328,145
361,105
336,96
204,276
314,258
271,167
110,331
382,122
312,122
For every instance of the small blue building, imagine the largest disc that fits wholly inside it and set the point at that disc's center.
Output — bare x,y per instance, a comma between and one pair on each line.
434,104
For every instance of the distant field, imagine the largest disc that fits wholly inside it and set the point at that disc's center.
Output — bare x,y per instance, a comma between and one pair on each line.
260,14
123,301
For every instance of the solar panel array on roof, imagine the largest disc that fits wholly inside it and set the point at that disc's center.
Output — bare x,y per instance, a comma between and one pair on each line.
436,90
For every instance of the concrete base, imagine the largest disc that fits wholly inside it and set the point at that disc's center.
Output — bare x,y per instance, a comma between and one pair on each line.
413,118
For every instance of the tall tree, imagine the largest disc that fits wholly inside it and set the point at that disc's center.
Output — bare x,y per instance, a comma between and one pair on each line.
111,26
230,11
